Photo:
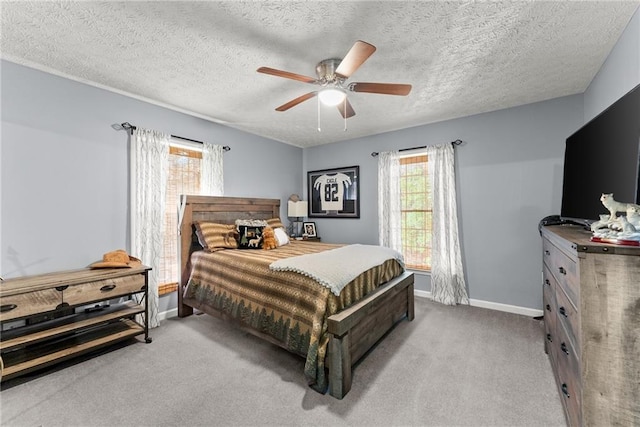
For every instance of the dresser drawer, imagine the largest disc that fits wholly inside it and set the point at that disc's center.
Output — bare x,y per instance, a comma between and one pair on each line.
568,376
563,268
103,289
27,304
569,318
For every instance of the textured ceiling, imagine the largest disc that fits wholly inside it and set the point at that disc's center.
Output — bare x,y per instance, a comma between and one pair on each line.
461,57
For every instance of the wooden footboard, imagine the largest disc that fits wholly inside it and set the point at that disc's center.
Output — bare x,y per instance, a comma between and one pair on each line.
355,330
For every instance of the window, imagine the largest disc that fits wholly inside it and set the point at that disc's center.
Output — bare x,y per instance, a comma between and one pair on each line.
183,178
416,209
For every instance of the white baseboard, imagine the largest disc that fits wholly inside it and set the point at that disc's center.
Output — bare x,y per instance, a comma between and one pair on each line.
422,294
525,311
168,314
530,312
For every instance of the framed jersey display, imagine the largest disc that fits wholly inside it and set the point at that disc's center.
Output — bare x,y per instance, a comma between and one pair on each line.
334,193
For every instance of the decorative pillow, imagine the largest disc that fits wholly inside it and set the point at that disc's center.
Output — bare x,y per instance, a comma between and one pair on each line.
214,237
276,223
250,236
251,222
281,236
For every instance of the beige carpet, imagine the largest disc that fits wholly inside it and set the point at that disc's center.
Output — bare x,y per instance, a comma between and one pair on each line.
451,366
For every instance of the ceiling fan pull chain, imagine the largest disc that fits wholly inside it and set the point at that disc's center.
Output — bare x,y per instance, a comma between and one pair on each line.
344,103
319,129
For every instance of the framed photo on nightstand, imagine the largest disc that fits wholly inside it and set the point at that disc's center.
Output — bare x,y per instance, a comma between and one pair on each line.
309,229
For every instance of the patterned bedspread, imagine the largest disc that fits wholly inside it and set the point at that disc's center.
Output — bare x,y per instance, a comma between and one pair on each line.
288,306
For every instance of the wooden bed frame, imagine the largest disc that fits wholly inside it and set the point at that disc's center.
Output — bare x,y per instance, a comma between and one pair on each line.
353,331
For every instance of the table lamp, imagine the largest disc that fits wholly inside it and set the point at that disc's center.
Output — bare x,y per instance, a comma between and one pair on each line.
297,210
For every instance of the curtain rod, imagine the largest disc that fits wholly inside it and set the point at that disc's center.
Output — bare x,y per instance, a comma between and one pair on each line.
453,143
129,127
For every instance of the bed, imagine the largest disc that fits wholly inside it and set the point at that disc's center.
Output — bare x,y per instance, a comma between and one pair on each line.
339,329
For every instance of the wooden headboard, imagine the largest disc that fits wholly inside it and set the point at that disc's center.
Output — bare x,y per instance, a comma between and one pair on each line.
223,210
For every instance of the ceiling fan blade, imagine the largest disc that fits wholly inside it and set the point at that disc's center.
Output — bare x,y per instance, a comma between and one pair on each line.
298,100
356,56
286,74
383,88
346,112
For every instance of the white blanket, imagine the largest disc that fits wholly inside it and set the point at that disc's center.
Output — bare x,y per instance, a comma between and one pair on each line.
337,267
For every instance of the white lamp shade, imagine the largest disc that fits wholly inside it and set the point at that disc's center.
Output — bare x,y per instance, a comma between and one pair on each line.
297,209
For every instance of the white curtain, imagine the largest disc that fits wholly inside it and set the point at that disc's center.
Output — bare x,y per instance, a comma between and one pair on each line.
211,171
148,171
389,201
447,276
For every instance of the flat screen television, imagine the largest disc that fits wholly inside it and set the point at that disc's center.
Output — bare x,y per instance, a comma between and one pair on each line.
603,157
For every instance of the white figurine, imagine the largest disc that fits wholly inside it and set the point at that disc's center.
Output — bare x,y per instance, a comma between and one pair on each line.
633,215
603,222
617,227
613,206
625,226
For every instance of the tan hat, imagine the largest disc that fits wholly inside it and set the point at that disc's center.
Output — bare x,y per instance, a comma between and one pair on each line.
116,259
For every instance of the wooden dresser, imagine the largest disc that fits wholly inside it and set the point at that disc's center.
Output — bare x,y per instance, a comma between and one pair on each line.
49,318
591,297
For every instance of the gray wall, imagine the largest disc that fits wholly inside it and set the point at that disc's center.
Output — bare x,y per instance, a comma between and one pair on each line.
64,170
509,176
618,75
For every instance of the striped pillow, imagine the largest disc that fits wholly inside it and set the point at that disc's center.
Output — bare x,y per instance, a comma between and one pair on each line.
214,237
276,223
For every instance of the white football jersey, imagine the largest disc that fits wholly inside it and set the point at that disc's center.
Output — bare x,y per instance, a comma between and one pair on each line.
331,188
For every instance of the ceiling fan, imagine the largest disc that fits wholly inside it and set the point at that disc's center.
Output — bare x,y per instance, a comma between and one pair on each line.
332,76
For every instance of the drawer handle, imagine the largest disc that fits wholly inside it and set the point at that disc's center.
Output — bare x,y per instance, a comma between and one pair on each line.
546,252
547,282
548,307
7,307
562,311
564,348
107,288
61,288
565,390
549,338
562,270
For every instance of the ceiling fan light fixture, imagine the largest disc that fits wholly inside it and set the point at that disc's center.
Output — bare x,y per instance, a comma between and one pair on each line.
332,97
